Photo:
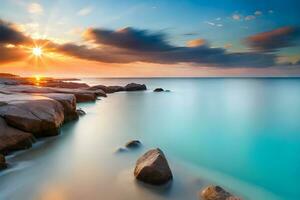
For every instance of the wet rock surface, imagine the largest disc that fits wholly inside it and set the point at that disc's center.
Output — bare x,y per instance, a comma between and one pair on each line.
133,144
153,168
158,90
12,139
216,193
2,162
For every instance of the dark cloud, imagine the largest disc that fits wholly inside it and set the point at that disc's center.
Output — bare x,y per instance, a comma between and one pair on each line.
131,45
9,35
134,45
275,39
9,54
129,38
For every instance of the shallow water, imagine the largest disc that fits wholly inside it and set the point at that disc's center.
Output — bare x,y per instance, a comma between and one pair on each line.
243,134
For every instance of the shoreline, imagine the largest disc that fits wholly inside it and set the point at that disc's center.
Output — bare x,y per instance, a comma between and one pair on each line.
30,109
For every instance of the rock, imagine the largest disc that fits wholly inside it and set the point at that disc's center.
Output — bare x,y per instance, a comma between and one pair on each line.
82,95
12,139
133,144
35,114
121,149
63,84
153,168
68,101
217,193
100,93
107,89
2,162
158,90
135,87
167,90
80,112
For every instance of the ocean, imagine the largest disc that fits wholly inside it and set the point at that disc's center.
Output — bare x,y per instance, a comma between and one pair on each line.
240,133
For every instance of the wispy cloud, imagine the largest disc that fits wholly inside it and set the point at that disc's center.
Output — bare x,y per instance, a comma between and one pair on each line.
35,8
85,11
213,24
258,13
236,17
250,17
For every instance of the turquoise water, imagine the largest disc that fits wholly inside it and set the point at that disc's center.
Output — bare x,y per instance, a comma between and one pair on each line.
243,134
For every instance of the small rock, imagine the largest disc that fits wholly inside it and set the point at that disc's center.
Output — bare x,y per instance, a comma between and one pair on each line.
133,144
80,112
121,149
217,193
2,162
167,90
135,87
158,90
153,168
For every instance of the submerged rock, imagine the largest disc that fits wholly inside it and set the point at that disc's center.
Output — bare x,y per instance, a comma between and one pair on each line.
153,168
120,150
158,90
2,162
217,193
133,144
80,112
12,139
135,87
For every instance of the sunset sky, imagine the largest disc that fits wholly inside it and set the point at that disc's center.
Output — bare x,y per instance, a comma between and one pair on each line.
110,38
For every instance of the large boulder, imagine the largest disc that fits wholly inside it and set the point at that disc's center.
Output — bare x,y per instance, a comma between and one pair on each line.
153,168
12,139
216,193
2,162
135,87
35,114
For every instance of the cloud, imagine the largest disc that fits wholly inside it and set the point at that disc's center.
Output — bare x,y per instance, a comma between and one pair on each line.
9,54
134,45
196,42
250,17
85,11
9,34
130,45
35,8
275,39
258,13
236,17
213,24
129,38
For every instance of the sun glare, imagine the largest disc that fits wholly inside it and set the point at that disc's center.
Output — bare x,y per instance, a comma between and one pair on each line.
37,51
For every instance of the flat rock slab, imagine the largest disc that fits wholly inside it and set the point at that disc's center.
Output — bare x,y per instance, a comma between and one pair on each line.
82,95
153,168
39,115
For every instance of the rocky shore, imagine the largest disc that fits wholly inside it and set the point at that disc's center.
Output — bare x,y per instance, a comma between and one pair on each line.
31,108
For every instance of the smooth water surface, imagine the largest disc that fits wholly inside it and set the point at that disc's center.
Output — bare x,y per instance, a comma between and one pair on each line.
243,134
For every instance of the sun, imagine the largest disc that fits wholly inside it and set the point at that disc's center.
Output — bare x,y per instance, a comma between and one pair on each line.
37,51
